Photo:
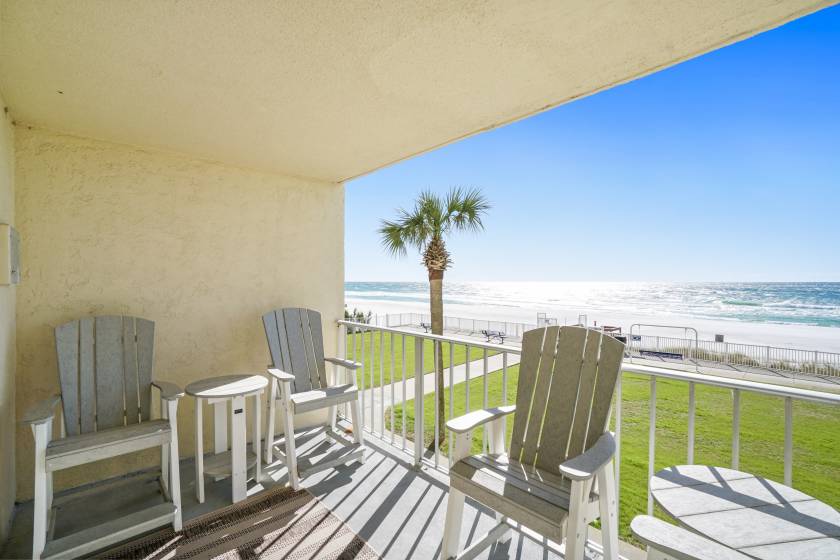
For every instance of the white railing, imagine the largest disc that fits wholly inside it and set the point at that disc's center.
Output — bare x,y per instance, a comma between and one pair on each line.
414,444
790,360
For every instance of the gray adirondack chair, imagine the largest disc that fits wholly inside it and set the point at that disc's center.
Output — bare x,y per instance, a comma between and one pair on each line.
299,383
105,370
558,476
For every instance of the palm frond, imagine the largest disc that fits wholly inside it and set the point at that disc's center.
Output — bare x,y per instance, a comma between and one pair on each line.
465,209
431,218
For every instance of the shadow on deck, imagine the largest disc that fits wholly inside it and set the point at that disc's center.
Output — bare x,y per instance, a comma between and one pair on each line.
398,510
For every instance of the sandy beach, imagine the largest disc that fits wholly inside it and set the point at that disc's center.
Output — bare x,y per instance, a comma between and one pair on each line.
807,337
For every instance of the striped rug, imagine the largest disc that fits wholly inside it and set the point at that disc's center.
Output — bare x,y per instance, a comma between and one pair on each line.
277,524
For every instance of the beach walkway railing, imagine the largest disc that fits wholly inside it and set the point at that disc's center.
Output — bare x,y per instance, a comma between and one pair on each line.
736,355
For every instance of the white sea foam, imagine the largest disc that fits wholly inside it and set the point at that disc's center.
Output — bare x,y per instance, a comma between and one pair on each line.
803,315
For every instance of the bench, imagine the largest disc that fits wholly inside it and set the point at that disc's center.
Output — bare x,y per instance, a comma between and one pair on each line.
498,335
664,355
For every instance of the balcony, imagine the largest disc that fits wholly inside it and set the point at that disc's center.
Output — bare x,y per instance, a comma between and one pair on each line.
396,500
190,170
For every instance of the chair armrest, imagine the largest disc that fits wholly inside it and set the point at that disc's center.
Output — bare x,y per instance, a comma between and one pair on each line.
679,543
168,391
476,418
42,411
587,464
281,375
349,364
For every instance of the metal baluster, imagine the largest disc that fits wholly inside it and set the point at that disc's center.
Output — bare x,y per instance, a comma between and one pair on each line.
691,415
382,383
736,428
418,401
467,373
392,389
484,405
403,391
504,389
372,378
617,459
364,376
451,396
651,441
437,348
788,441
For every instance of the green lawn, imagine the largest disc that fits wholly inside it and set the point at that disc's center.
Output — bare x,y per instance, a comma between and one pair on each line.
816,460
382,343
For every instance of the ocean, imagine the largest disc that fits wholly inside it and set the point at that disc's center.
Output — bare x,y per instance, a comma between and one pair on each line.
759,312
807,303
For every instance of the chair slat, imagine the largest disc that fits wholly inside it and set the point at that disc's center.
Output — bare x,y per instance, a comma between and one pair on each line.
318,346
532,342
309,352
145,331
296,350
583,405
283,341
129,357
609,367
87,377
542,386
67,350
561,401
272,336
110,407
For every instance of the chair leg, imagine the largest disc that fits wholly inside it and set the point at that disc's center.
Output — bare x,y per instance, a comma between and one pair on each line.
291,458
609,511
164,451
174,465
49,475
256,442
358,429
576,527
269,429
452,524
39,524
199,450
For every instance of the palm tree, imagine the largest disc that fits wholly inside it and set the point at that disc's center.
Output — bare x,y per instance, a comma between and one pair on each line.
424,228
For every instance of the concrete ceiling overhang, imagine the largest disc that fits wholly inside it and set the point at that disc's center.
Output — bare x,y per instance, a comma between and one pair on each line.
333,90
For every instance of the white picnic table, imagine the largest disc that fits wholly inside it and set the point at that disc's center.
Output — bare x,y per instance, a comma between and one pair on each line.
755,516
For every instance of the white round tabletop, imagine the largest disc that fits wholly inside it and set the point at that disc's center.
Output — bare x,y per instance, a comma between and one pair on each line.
756,516
226,386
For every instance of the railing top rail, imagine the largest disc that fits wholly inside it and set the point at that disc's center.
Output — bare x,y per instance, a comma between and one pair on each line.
443,338
629,367
728,383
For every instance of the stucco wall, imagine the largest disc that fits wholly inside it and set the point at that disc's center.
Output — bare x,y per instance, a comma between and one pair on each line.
202,249
7,334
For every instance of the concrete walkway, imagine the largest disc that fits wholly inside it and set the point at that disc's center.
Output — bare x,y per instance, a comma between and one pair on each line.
377,400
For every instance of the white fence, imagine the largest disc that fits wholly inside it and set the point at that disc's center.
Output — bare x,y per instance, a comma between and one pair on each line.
458,325
791,360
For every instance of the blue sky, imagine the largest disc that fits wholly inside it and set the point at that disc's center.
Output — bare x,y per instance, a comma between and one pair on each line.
725,167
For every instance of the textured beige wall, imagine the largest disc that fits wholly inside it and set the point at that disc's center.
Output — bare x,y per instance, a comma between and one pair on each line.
7,334
200,248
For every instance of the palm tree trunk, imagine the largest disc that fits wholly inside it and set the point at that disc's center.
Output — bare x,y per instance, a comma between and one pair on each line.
436,302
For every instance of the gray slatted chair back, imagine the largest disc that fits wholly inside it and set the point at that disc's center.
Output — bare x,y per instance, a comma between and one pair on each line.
296,344
105,368
567,377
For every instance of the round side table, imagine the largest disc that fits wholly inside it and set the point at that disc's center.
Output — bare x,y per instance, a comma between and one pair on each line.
233,462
